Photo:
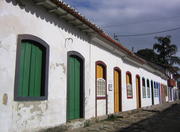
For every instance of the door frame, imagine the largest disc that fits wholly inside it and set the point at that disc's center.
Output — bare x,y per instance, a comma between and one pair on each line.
79,56
120,88
106,98
138,92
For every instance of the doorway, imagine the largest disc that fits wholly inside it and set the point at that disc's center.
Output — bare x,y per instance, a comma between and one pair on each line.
152,92
75,90
138,91
117,90
101,107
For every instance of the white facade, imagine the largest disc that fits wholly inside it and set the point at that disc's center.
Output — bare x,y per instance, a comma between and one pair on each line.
61,37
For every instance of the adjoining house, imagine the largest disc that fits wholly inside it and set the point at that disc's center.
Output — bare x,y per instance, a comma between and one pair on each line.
57,66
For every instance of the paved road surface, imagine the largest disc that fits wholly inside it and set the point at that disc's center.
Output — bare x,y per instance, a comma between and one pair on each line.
158,118
165,121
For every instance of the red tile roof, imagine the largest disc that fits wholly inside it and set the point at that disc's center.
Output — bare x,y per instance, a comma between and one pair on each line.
95,28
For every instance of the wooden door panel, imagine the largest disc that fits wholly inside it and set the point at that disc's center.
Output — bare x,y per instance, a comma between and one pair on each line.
77,88
138,92
99,71
70,90
117,88
74,80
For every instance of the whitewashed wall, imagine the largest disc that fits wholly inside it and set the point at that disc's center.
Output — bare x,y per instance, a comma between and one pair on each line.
21,115
61,37
98,54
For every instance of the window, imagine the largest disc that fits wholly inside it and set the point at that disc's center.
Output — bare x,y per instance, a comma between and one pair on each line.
101,86
31,68
155,89
101,80
158,88
143,88
165,90
148,89
129,85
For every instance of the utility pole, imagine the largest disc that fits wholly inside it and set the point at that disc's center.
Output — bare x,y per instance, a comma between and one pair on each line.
132,49
116,37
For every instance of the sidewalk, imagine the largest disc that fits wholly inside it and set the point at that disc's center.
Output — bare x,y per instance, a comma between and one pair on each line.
140,120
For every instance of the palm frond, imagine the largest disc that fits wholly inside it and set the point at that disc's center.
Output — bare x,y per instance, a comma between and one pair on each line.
158,47
171,50
174,60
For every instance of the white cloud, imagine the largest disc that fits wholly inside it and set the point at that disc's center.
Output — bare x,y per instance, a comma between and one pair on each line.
116,9
133,16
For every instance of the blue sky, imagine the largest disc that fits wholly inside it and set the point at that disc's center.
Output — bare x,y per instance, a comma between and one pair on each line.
125,17
80,3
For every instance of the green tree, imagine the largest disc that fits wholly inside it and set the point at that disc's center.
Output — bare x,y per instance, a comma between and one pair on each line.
166,51
162,54
149,55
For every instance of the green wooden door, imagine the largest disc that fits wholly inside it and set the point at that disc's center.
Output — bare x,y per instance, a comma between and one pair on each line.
30,70
74,80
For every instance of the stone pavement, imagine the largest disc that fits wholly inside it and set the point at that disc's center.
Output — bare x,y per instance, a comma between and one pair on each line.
157,118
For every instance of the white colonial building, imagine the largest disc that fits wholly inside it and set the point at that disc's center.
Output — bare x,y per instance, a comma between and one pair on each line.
57,66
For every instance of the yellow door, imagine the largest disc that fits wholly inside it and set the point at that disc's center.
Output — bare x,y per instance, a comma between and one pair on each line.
116,91
99,73
128,79
138,94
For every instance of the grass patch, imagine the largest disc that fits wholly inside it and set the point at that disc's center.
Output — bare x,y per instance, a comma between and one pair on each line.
111,117
87,123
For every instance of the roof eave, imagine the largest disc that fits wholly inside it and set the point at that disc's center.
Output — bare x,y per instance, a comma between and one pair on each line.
73,17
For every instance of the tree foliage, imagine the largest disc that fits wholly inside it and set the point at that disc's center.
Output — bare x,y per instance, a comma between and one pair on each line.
163,54
166,51
149,55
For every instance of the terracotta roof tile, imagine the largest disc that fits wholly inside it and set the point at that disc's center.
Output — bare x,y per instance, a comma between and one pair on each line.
95,28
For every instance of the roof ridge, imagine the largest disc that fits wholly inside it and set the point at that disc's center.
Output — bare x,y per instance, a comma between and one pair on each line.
96,28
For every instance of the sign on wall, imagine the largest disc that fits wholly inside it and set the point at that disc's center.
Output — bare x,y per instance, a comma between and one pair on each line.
110,85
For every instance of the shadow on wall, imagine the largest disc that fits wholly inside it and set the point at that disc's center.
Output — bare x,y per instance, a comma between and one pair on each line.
41,12
44,15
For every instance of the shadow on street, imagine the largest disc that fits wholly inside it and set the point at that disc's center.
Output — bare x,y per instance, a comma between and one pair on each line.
165,121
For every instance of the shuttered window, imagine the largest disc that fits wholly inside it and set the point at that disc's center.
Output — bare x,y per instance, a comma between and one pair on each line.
148,88
31,70
32,64
101,82
129,85
156,89
143,88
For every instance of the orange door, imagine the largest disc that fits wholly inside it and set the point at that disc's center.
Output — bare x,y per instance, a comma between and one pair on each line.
138,92
117,91
99,71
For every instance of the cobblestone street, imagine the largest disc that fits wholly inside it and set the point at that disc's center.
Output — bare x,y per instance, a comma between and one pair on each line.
158,118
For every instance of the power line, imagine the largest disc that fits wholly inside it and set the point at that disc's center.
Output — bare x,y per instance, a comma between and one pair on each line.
146,34
116,25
